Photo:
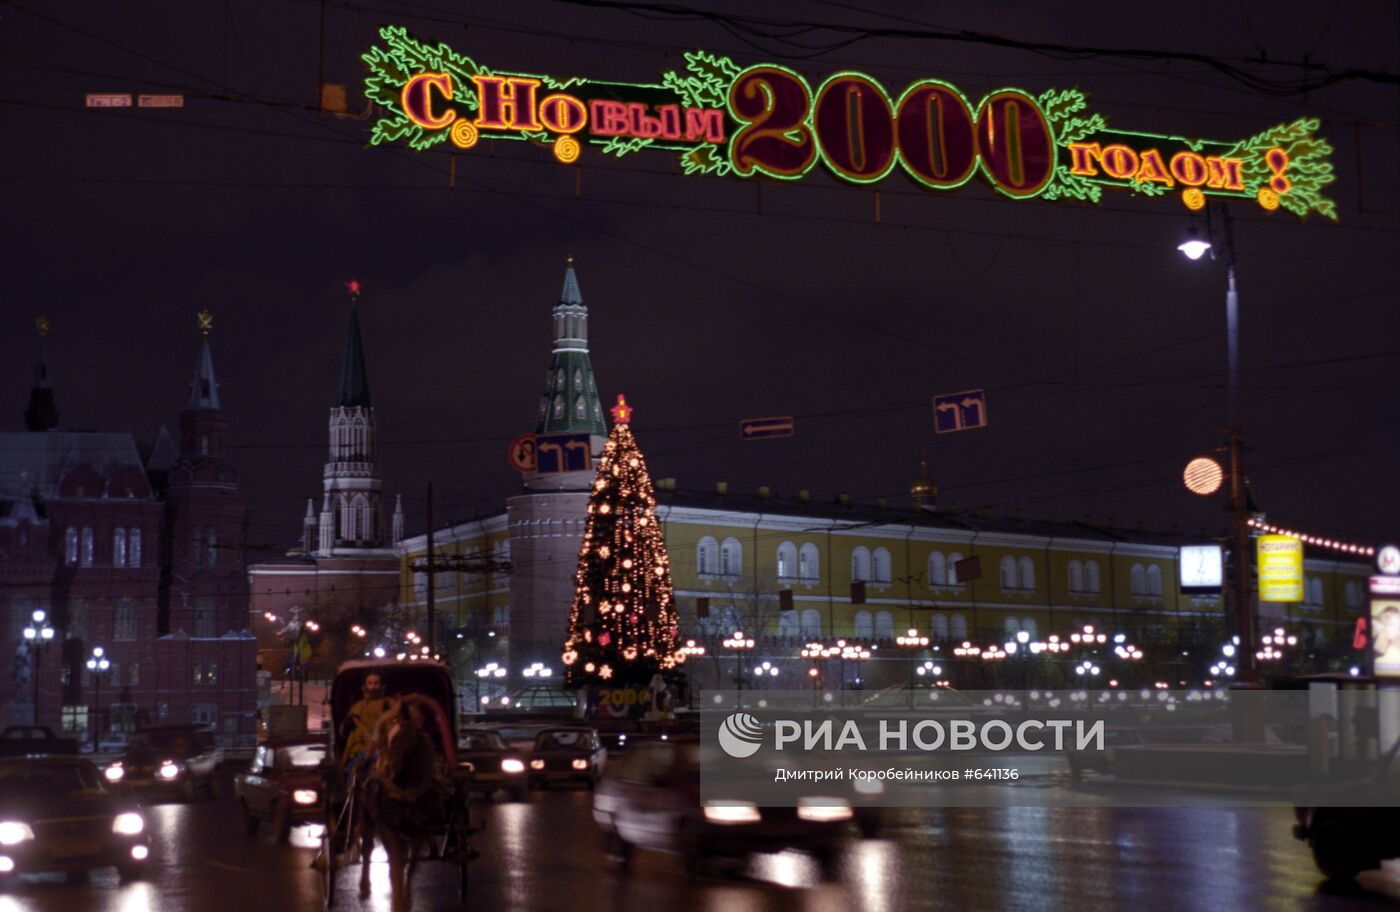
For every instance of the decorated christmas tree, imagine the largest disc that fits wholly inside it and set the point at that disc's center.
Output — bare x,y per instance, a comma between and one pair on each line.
623,626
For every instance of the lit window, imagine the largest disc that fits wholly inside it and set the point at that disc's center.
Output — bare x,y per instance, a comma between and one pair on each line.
559,405
70,546
707,557
580,408
860,564
87,546
787,560
731,558
119,548
1008,573
938,572
953,560
882,569
808,562
133,549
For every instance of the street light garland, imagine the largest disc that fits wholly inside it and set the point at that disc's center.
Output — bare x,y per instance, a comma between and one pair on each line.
1317,541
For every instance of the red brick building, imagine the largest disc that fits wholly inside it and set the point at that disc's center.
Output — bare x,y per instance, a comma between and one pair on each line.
142,557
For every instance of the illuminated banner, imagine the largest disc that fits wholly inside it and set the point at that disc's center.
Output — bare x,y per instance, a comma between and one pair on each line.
767,120
1280,568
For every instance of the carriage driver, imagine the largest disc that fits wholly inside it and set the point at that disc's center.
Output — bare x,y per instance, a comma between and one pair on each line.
362,719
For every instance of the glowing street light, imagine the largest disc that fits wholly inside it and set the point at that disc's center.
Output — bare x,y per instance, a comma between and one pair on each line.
1194,246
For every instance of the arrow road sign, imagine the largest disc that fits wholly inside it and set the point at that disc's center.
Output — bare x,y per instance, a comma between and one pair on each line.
765,428
960,411
563,453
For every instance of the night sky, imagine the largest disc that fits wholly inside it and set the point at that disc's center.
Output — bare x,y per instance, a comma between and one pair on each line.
711,300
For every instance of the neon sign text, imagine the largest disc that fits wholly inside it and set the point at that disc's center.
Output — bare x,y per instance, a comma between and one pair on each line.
767,121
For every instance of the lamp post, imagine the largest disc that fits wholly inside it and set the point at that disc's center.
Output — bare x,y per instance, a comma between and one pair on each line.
1194,247
38,635
739,644
97,664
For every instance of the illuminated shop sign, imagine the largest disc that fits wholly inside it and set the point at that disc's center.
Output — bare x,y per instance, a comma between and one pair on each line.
767,120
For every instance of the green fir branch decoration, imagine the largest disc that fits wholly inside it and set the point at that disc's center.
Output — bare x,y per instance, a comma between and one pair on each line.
560,85
403,57
1309,166
1066,185
703,159
707,85
1060,106
1147,188
621,146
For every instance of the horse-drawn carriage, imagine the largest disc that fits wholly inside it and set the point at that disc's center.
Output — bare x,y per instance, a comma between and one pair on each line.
405,788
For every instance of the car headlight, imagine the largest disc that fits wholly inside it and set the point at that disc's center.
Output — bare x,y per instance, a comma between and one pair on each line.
580,764
114,773
536,764
304,796
169,770
13,832
128,824
732,812
512,765
823,810
869,787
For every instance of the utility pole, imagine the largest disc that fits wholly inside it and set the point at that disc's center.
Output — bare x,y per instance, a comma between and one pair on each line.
432,582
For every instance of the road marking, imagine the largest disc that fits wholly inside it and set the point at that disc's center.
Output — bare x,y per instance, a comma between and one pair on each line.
228,867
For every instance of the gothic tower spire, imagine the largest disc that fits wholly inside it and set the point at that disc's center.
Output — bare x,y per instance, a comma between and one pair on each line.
42,412
204,391
351,515
570,403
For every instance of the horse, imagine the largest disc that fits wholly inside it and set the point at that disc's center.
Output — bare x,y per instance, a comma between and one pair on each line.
401,794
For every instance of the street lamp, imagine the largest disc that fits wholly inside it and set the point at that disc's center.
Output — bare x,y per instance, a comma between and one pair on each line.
739,644
1195,247
97,664
38,635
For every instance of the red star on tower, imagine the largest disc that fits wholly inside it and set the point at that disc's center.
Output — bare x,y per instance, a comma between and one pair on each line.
354,286
622,412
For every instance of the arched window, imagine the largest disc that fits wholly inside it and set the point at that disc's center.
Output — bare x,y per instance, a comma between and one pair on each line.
938,624
937,570
1091,576
860,564
808,562
364,521
559,406
1137,580
1008,573
1075,572
863,626
119,548
811,623
957,627
1012,625
788,626
580,408
204,617
1314,590
787,561
559,380
1154,579
578,371
1353,595
731,558
1028,625
88,544
133,548
70,546
881,569
1027,573
953,560
706,557
884,625
348,528
124,621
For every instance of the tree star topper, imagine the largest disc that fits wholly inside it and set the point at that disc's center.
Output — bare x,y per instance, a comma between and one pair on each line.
622,412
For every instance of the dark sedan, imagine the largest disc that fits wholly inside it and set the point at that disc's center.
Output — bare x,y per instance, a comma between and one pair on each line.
490,763
55,815
567,754
174,760
282,784
652,801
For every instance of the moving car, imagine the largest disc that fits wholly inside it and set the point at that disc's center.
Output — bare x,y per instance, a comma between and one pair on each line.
283,784
491,764
568,754
55,815
1346,825
19,740
174,760
652,801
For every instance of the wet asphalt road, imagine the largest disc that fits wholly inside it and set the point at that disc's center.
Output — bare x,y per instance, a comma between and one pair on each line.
544,855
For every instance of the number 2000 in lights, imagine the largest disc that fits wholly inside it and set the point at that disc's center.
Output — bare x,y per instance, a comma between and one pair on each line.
931,131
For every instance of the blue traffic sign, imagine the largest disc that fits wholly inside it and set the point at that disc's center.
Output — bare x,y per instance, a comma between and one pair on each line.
960,411
766,428
563,453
